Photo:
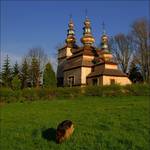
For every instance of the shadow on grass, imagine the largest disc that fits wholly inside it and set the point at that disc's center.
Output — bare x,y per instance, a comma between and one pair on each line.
49,134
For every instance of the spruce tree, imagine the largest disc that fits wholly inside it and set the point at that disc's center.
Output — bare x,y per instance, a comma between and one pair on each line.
134,74
24,74
49,78
7,72
16,69
35,73
16,83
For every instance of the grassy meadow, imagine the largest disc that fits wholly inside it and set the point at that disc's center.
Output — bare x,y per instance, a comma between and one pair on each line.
101,123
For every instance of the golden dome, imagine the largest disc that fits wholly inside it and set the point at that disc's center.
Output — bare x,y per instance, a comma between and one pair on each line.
87,35
71,39
104,38
87,40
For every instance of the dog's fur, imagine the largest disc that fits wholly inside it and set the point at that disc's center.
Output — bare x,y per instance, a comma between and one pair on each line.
64,131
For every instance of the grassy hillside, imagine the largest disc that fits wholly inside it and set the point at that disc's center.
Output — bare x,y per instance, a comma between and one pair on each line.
117,123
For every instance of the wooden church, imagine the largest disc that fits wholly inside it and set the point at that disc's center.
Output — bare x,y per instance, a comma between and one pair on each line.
87,65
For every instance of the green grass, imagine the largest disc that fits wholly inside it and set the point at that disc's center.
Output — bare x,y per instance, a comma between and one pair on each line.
110,123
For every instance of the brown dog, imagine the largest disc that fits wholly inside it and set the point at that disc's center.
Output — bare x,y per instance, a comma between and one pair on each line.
64,131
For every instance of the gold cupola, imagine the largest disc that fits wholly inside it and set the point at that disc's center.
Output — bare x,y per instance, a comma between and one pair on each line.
105,52
104,41
87,38
70,40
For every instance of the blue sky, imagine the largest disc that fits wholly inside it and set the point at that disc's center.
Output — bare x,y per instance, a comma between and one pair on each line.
35,23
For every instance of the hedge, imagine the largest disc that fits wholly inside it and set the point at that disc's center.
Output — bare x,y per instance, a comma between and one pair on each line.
33,94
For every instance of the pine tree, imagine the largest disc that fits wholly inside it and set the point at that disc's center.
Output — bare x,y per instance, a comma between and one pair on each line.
35,73
16,69
7,72
24,74
134,74
49,78
16,83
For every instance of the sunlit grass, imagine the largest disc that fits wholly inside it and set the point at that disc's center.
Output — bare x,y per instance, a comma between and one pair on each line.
118,123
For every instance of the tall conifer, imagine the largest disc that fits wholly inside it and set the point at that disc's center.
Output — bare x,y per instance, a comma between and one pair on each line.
7,72
24,74
35,72
49,78
16,69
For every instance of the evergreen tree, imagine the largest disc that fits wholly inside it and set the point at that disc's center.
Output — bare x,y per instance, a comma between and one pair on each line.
49,78
134,74
16,83
24,74
35,73
7,72
1,82
16,69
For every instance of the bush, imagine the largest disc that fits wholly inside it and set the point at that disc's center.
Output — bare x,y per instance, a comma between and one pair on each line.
93,91
16,83
32,94
29,94
6,94
68,92
107,90
46,93
137,89
113,90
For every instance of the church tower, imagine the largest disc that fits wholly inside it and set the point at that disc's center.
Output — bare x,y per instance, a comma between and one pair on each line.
104,41
70,40
105,52
65,52
87,38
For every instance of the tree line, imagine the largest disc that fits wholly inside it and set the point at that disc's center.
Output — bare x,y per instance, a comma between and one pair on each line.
35,70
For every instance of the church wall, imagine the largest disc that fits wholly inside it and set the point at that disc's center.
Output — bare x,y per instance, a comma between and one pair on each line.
74,72
99,80
106,80
109,66
106,66
85,71
118,80
62,53
88,57
68,52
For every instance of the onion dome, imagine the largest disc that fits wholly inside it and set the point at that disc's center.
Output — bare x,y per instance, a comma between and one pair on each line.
70,40
104,41
87,38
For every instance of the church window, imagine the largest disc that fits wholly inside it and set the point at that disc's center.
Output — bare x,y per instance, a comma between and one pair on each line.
71,81
112,81
95,81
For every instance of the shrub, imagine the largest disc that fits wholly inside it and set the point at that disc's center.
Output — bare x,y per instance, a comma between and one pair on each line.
112,90
6,94
138,89
68,92
46,93
93,91
17,94
29,94
16,83
107,90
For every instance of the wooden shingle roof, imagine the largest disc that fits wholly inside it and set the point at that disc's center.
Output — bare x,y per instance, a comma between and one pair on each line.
107,72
